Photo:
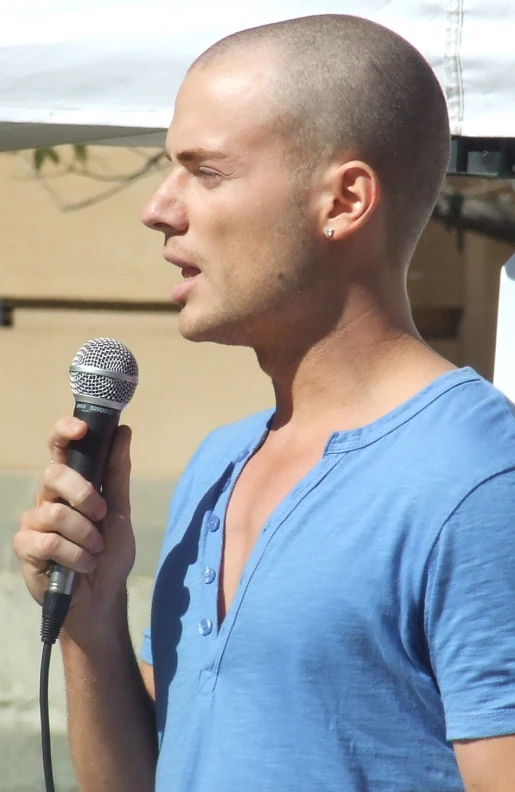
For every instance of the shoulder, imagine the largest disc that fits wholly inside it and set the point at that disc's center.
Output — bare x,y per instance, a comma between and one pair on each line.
468,434
473,410
221,448
476,460
450,439
227,442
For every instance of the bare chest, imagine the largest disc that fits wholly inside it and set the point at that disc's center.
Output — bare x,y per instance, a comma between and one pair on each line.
263,484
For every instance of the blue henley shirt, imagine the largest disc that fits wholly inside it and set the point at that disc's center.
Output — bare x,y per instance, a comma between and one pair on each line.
374,620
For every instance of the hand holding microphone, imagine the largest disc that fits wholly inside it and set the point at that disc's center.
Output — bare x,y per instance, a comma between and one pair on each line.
81,521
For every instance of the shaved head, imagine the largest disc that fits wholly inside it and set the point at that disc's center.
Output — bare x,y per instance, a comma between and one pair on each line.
346,86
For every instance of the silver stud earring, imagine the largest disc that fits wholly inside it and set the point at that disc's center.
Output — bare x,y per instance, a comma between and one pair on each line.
329,232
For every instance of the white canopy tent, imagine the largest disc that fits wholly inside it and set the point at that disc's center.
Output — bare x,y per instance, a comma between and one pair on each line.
107,71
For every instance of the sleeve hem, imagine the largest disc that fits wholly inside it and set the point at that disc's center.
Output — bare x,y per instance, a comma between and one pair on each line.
476,726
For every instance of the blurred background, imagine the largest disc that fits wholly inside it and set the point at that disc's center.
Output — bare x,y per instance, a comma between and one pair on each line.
78,264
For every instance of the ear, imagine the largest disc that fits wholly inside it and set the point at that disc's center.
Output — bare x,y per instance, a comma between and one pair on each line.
354,193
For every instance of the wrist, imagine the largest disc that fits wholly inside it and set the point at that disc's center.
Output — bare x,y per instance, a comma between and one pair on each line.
105,626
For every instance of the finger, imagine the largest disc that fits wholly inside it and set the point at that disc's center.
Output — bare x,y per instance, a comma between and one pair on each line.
60,481
61,519
116,484
37,549
64,431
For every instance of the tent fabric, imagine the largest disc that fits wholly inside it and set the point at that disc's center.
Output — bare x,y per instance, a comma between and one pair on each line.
108,70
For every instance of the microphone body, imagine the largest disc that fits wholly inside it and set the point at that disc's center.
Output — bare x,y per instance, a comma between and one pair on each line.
103,378
88,456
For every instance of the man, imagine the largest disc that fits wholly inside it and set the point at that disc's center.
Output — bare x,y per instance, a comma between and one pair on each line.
334,603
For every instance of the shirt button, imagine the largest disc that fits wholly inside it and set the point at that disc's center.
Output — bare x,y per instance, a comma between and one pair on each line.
213,523
209,575
205,627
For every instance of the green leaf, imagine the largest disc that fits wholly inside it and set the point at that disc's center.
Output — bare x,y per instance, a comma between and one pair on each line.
42,154
81,153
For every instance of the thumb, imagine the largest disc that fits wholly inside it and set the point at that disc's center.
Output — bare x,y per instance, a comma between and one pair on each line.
116,483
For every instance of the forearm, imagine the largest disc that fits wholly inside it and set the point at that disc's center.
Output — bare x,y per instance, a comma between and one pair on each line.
110,714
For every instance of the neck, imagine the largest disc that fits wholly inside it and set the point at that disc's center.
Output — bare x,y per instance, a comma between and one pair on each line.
371,360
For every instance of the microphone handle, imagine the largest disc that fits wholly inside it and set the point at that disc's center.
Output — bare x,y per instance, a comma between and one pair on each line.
88,456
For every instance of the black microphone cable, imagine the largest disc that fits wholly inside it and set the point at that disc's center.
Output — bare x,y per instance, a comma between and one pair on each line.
103,378
55,608
46,743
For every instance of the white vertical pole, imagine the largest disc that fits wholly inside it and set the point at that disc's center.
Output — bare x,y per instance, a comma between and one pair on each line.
504,370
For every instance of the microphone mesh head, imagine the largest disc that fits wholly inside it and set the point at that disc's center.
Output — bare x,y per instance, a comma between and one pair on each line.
112,358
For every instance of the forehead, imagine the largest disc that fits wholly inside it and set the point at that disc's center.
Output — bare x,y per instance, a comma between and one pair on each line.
226,105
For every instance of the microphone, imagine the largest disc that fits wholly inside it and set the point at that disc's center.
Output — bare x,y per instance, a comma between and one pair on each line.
103,379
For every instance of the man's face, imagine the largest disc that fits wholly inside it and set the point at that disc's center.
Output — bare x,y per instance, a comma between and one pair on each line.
232,217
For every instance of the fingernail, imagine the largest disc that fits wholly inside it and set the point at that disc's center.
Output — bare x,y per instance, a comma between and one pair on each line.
98,543
100,510
75,423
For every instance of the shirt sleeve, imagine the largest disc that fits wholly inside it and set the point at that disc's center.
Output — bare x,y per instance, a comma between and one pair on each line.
470,612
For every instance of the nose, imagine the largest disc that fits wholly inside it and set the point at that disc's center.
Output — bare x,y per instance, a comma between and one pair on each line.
165,209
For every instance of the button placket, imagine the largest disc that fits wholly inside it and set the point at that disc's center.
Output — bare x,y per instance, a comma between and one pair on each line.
213,545
209,574
212,558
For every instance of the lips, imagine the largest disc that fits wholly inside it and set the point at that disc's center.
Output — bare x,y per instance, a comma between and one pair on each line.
177,261
189,273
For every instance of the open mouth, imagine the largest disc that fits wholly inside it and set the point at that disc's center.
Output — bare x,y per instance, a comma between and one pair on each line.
190,276
189,271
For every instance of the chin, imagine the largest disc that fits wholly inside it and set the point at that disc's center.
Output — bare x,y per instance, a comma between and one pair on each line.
212,329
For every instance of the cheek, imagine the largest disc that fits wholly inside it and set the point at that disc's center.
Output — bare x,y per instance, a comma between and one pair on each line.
265,266
246,241
243,209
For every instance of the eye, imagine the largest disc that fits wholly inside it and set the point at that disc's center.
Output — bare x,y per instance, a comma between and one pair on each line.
210,176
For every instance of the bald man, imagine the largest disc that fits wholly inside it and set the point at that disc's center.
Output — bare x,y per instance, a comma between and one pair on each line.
333,607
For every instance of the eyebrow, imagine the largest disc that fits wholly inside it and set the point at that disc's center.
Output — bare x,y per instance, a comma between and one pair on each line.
194,155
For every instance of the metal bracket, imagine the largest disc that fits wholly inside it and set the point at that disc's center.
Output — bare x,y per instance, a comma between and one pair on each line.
485,157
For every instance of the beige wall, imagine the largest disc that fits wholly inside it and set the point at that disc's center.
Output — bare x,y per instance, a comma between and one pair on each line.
104,252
